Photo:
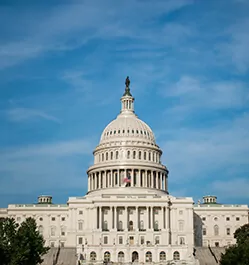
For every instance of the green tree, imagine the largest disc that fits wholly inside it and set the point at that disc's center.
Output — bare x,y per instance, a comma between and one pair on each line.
21,245
239,253
8,228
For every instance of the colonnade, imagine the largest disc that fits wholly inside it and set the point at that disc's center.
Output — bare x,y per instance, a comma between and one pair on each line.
135,177
133,221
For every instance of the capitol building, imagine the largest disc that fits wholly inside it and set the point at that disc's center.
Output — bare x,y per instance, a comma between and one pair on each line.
128,215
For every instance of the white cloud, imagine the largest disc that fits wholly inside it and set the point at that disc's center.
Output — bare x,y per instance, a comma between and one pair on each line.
26,114
67,27
45,166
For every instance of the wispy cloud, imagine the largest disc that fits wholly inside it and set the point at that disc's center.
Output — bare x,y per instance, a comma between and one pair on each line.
67,27
25,114
44,166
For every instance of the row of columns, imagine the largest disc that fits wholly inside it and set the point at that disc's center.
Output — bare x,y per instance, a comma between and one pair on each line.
125,217
138,178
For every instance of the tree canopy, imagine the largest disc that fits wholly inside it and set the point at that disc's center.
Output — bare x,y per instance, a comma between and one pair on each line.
239,253
21,244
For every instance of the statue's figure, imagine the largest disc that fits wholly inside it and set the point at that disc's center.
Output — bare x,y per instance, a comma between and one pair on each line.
127,81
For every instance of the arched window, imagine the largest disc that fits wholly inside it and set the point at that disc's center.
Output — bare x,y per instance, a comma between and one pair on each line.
116,154
120,225
121,256
134,154
144,155
181,225
80,225
40,229
149,156
111,155
216,230
53,229
176,255
93,256
153,157
128,154
182,241
148,256
130,226
139,155
162,256
141,225
107,256
102,157
106,156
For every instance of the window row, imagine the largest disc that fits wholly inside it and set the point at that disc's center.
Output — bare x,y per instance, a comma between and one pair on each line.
131,240
135,256
120,226
18,219
139,155
216,231
52,230
128,131
216,218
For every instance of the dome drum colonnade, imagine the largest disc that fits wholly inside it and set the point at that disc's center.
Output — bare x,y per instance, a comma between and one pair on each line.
127,149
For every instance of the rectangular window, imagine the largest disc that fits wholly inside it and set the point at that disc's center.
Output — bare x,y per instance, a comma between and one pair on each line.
63,233
62,244
203,218
53,218
228,231
217,244
105,239
237,218
120,240
157,240
52,244
62,218
228,219
142,240
204,231
80,212
80,240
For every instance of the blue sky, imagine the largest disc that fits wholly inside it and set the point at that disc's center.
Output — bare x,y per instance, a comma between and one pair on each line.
62,73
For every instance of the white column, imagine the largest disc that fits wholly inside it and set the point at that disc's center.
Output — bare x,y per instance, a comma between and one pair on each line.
152,217
89,182
100,218
139,178
125,218
115,218
111,176
118,176
162,218
146,178
136,219
132,178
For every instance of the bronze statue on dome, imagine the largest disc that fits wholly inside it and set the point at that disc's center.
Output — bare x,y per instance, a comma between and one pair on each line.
127,81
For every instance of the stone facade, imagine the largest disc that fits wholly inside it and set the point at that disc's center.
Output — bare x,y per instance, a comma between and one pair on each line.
127,214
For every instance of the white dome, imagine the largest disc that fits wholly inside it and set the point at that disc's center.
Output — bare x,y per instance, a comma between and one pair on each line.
127,125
